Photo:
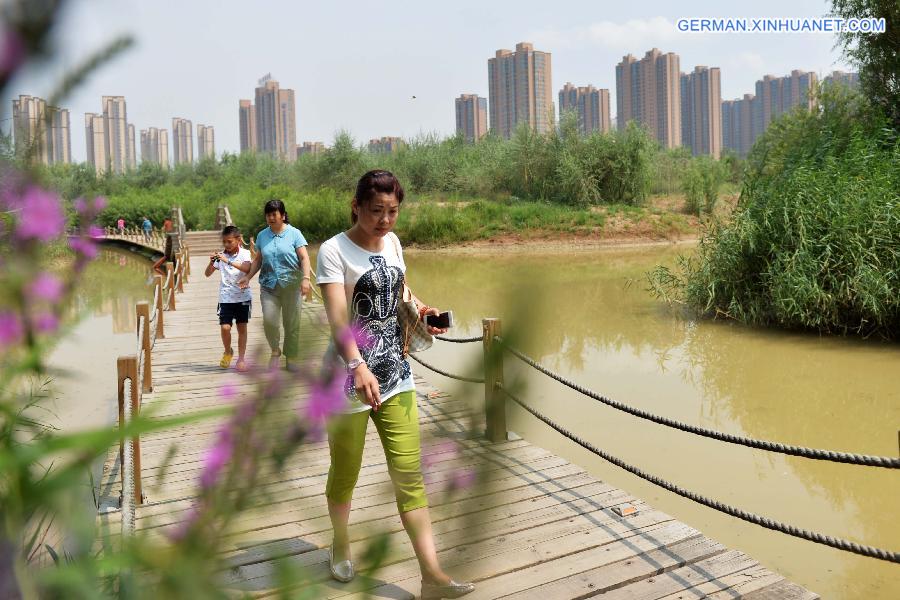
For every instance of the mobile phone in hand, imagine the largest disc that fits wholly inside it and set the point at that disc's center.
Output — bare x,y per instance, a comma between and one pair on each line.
441,321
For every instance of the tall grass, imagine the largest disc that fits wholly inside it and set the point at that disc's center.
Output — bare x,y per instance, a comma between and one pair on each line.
815,241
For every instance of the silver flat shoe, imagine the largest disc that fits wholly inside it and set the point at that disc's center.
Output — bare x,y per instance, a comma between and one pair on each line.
342,571
432,591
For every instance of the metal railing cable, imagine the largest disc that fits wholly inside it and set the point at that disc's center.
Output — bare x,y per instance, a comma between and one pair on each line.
813,453
465,340
444,373
812,536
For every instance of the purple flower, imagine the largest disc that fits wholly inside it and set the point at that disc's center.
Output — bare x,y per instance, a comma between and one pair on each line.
40,215
431,455
84,246
95,232
363,340
273,383
216,459
178,532
462,479
80,205
10,328
46,323
45,287
12,52
100,203
327,398
228,392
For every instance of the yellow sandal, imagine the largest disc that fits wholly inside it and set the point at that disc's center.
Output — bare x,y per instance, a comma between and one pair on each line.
226,359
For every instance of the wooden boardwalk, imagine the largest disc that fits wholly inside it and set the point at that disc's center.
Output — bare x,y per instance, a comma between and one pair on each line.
531,526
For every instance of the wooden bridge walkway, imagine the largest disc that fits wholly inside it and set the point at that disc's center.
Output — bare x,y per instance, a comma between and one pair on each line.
532,526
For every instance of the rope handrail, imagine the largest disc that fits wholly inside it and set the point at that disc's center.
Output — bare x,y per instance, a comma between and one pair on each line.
140,335
128,508
812,453
463,340
444,373
812,536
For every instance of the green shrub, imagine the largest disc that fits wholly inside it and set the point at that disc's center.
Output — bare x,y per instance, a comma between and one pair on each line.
815,241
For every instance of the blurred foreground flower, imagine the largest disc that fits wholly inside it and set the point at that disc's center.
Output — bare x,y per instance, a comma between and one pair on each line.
46,286
11,330
39,214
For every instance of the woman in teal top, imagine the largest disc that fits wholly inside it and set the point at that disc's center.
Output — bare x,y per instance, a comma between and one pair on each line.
283,265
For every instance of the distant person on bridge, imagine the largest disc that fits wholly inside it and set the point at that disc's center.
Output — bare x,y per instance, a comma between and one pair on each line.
234,302
167,225
120,225
284,281
361,273
147,227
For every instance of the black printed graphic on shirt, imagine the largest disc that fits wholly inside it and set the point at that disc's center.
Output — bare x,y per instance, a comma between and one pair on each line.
376,297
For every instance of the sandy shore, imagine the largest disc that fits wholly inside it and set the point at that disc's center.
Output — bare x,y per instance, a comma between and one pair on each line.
564,245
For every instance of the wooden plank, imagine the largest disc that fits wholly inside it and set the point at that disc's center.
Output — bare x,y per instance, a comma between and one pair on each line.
687,578
600,570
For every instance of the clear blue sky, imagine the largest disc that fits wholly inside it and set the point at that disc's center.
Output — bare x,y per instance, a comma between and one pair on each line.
356,65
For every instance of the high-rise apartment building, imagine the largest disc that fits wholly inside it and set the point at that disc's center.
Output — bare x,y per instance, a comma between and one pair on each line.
96,142
590,104
247,121
649,91
155,146
182,141
385,145
276,119
779,95
851,80
42,131
206,142
313,148
60,136
701,111
131,153
471,116
117,140
737,124
520,90
744,120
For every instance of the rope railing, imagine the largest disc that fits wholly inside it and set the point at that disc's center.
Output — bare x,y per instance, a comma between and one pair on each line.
812,536
811,453
444,373
463,340
128,504
135,376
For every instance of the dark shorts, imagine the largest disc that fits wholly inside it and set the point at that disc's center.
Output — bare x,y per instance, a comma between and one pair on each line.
234,311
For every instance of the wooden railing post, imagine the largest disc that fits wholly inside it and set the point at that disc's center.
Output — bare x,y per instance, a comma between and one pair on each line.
142,309
494,401
170,277
158,286
179,279
127,367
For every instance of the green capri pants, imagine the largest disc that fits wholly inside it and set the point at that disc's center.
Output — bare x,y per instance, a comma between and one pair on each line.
397,421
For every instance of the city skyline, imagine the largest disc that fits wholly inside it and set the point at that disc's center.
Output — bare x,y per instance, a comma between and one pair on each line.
382,61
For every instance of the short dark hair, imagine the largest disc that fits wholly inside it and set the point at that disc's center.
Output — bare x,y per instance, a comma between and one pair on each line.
231,230
376,182
276,205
